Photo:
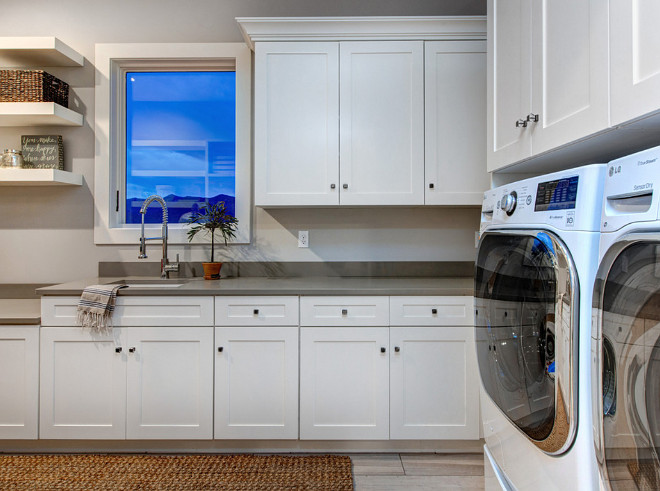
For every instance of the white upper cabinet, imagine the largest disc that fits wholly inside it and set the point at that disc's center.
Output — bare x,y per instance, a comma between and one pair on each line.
342,111
382,123
548,69
569,93
635,69
296,124
509,87
455,143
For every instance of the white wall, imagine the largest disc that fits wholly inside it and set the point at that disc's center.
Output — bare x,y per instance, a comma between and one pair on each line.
46,234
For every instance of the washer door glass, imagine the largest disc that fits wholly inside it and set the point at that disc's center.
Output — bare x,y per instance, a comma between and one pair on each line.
630,322
522,352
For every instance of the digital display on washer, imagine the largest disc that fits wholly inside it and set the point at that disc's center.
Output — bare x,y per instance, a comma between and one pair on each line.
556,195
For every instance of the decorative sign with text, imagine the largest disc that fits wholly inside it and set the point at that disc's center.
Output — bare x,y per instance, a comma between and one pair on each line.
43,151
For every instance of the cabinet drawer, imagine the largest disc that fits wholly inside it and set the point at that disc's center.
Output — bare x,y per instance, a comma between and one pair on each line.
136,311
256,311
344,311
432,311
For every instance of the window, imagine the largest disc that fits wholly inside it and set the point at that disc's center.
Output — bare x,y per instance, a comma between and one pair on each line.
172,120
180,142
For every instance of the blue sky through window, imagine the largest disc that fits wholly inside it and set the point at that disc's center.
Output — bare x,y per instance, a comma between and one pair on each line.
181,141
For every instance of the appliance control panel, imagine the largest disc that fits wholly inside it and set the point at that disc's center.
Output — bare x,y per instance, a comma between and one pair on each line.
565,200
632,190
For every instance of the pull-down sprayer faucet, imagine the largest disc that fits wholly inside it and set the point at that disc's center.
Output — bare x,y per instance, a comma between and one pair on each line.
165,265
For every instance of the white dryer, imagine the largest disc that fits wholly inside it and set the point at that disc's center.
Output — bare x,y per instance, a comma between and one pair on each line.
626,328
536,264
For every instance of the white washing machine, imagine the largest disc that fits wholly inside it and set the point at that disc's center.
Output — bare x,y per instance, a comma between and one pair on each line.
626,328
535,270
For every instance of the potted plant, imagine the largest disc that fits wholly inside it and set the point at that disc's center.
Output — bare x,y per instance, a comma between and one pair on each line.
212,218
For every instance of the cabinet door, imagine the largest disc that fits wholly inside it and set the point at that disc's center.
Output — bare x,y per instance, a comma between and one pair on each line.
256,383
296,124
169,383
509,82
635,68
570,68
382,123
344,383
19,382
455,76
83,384
434,383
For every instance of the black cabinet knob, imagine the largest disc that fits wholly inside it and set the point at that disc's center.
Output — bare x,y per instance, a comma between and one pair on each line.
382,350
397,349
344,311
434,311
118,349
431,186
131,350
345,186
332,186
220,349
255,311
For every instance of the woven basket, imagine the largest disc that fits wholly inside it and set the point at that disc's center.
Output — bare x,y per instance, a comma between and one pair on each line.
32,86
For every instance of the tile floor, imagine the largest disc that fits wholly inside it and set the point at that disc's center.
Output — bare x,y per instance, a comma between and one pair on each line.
385,472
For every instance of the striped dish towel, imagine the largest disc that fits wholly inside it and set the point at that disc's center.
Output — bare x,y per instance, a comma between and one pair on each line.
96,305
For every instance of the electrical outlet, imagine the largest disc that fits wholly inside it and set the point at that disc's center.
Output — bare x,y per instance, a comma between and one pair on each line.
303,238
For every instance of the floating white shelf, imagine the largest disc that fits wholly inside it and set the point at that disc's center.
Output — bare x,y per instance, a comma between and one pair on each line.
33,51
39,177
37,114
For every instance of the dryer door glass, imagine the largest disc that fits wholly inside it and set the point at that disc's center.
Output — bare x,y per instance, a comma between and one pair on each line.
630,358
523,321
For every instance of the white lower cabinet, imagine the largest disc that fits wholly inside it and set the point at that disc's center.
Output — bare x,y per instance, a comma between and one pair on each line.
131,383
19,382
256,383
434,384
344,383
170,383
357,368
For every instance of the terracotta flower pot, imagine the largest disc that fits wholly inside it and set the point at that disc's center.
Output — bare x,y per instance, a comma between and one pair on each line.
212,271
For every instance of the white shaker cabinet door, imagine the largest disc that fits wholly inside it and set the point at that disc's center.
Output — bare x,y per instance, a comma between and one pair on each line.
170,383
19,382
344,383
296,124
382,123
434,384
83,384
509,82
256,383
570,67
635,67
455,74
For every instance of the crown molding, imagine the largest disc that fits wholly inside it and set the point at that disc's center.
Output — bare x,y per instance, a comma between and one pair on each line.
255,29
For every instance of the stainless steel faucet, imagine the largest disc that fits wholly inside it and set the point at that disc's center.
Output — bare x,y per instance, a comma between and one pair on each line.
165,265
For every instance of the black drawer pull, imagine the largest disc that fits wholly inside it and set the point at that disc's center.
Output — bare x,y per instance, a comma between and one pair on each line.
220,349
397,349
255,311
118,350
131,350
383,350
344,311
434,311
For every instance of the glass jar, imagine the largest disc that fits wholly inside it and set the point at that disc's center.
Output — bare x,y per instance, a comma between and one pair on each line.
12,159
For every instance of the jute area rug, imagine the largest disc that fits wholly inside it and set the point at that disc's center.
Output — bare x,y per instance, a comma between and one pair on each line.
182,472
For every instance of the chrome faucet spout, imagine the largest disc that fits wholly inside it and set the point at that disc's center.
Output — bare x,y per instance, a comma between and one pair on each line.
165,266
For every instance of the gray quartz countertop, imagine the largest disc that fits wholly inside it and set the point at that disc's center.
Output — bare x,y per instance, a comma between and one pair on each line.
448,286
18,311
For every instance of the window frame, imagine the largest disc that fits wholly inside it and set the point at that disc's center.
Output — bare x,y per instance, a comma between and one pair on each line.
112,63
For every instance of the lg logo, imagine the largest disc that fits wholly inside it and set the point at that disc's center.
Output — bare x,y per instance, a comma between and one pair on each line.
615,170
